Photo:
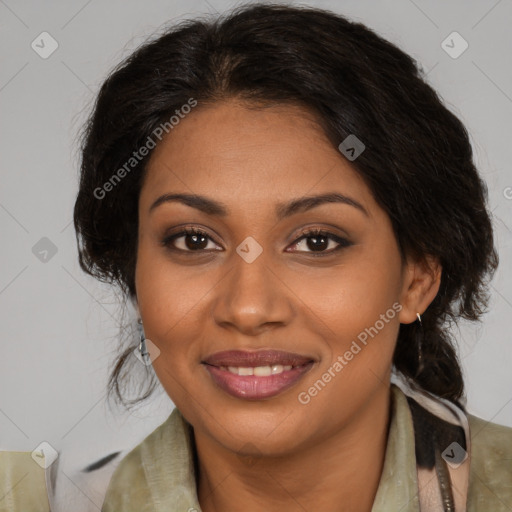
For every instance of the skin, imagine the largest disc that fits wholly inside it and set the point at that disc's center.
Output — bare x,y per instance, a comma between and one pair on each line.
276,452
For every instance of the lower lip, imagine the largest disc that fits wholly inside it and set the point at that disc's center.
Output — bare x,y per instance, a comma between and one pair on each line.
251,387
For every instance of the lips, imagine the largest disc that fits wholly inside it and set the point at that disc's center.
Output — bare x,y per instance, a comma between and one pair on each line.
242,358
256,375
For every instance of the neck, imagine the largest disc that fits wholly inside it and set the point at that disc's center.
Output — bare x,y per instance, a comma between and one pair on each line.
342,469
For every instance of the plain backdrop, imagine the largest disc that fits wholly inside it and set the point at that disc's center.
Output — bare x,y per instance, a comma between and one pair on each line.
59,326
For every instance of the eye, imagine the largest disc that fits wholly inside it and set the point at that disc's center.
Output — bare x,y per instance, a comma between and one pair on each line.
194,240
320,240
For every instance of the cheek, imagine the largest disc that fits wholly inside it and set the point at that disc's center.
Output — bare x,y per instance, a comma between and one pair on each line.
170,299
353,295
356,307
167,293
359,306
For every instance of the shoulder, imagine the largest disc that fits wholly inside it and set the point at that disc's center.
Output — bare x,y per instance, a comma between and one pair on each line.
23,482
491,445
128,486
158,474
490,478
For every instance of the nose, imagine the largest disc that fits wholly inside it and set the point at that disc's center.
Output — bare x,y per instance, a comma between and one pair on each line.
252,297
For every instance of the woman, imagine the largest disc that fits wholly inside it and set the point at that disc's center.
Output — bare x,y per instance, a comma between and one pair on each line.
296,217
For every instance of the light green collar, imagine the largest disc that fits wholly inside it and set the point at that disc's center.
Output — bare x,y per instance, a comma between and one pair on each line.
170,446
398,486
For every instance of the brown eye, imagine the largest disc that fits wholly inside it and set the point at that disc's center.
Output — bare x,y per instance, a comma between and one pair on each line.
194,240
318,240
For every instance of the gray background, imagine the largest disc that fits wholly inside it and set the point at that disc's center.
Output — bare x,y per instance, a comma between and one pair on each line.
59,326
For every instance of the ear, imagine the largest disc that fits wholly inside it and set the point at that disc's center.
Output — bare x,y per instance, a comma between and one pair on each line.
420,286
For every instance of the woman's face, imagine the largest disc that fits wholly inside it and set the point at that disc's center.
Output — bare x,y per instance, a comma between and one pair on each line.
253,283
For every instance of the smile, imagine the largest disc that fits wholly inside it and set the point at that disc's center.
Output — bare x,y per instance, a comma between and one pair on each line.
256,375
259,371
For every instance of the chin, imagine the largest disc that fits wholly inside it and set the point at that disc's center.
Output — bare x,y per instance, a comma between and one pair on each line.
273,429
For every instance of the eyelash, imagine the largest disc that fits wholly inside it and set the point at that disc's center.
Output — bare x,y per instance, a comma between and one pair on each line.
309,233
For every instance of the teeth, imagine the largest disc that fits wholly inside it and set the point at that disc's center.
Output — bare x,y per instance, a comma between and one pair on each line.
258,371
277,368
262,371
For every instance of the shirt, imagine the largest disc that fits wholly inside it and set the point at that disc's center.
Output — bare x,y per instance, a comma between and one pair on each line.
158,474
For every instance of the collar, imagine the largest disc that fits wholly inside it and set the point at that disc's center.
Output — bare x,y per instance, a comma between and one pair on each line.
398,486
170,446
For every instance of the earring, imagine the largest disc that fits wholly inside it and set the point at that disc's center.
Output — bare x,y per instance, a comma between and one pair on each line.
420,339
142,345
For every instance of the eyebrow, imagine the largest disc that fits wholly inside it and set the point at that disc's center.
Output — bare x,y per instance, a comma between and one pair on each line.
283,210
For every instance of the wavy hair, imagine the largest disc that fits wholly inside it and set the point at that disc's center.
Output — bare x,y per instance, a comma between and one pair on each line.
418,161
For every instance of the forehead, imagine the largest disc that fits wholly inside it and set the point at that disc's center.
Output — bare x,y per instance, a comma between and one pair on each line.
248,156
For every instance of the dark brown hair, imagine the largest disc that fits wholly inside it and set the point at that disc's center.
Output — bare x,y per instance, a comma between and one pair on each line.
418,159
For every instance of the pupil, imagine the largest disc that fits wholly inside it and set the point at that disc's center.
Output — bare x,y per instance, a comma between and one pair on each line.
317,246
194,245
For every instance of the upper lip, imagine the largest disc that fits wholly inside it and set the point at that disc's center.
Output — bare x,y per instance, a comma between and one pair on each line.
243,358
